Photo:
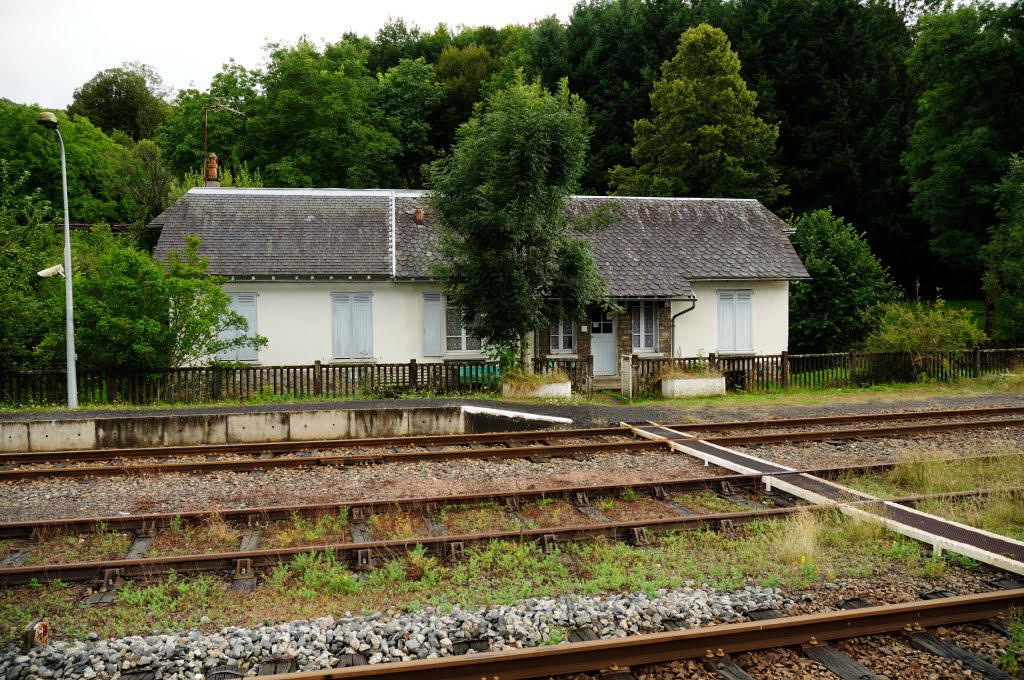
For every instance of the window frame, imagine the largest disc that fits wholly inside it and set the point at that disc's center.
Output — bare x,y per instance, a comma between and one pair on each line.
637,323
557,330
463,336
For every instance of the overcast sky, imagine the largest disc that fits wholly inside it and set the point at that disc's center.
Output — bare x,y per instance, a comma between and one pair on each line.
48,49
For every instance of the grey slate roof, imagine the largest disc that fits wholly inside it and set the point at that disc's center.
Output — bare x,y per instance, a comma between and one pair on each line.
262,232
655,248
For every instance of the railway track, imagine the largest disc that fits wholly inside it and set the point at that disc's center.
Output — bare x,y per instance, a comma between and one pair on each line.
714,644
542,444
580,513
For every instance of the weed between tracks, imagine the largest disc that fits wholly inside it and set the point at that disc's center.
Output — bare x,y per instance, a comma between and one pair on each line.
794,553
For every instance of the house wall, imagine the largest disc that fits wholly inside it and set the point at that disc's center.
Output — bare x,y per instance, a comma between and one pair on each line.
697,330
295,317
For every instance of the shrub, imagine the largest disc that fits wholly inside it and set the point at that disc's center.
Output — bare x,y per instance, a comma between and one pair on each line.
923,328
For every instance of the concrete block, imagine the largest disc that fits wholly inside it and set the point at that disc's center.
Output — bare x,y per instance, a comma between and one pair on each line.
555,390
257,427
692,387
13,437
307,425
439,421
134,431
66,435
193,430
379,423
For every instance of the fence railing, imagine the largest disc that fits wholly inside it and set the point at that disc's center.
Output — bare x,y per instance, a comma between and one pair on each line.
580,371
780,371
244,383
639,376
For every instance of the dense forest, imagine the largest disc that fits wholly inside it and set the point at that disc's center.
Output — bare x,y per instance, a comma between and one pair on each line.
899,115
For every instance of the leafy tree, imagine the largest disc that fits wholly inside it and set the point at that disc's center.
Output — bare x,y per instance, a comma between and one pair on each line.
313,125
614,50
408,98
225,107
93,195
704,139
508,260
394,42
829,313
126,99
144,180
29,241
134,313
1004,255
832,74
462,71
967,63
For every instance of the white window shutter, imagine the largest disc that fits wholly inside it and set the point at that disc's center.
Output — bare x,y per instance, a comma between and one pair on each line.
744,307
433,325
362,325
726,321
341,313
245,304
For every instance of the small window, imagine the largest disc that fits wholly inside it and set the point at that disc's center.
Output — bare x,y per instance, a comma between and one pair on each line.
456,337
244,304
352,325
563,337
645,326
735,321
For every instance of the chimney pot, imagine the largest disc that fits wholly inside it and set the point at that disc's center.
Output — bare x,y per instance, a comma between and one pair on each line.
418,216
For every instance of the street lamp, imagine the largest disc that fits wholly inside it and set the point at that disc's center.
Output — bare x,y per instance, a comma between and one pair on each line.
48,120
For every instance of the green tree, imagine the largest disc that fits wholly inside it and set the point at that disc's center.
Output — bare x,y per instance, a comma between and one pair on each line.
314,124
408,99
144,180
705,138
829,313
1004,255
967,63
134,313
93,194
832,74
507,258
463,72
126,99
29,241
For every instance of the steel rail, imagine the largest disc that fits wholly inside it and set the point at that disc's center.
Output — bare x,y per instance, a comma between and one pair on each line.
249,464
848,418
256,448
707,642
361,554
869,432
544,451
250,515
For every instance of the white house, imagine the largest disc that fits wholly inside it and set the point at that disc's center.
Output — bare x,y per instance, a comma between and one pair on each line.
340,275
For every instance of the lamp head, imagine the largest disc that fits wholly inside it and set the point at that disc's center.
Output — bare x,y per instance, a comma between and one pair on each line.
47,120
55,270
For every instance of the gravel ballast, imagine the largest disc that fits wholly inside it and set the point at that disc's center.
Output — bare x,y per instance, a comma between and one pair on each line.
424,634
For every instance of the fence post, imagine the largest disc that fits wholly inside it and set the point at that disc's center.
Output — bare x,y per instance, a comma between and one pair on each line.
413,378
712,362
218,383
318,379
976,364
784,360
853,368
634,364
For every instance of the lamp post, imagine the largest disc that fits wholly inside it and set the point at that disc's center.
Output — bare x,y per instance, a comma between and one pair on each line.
48,120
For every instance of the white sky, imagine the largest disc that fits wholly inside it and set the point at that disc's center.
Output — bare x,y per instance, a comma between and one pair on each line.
49,48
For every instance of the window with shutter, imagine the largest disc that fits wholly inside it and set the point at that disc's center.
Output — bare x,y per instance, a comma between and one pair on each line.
433,324
456,337
735,321
244,304
352,325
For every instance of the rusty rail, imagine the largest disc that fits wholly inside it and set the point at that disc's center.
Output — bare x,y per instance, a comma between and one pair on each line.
707,642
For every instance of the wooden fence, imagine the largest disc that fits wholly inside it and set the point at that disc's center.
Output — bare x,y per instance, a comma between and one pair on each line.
780,371
245,383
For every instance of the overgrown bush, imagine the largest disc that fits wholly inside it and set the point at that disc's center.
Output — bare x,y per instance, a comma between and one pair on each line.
922,328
